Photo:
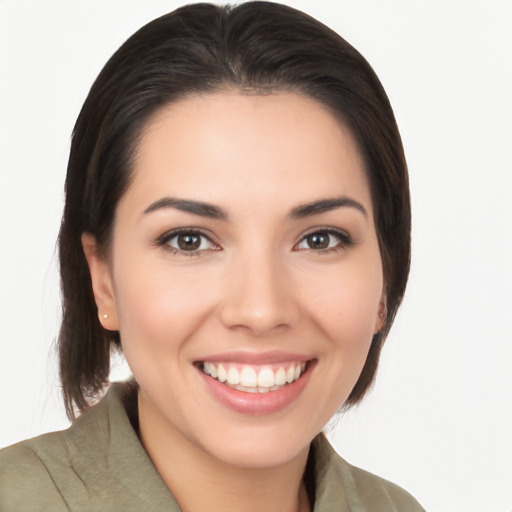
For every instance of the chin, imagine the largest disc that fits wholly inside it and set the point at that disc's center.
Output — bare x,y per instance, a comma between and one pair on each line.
258,448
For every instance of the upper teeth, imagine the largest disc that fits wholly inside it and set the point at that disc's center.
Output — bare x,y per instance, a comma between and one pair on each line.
254,377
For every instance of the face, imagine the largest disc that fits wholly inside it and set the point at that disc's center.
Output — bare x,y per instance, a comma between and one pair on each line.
244,274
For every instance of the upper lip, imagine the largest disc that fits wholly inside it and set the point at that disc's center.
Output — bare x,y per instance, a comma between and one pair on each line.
255,358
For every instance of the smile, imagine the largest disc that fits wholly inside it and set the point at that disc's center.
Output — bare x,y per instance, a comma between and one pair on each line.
254,379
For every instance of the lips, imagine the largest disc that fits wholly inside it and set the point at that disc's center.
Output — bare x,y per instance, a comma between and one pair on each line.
257,385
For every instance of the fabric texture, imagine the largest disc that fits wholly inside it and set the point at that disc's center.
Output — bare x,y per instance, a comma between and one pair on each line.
100,464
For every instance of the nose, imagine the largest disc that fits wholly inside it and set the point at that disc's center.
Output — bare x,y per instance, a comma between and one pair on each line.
260,297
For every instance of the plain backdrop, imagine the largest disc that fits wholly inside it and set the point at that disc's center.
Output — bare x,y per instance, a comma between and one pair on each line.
439,421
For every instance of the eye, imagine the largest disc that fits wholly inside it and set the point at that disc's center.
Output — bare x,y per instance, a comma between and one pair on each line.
323,240
190,241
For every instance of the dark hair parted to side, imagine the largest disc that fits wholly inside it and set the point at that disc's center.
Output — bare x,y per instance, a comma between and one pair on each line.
253,48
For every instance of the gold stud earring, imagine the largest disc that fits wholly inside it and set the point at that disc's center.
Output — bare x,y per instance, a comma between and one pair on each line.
383,310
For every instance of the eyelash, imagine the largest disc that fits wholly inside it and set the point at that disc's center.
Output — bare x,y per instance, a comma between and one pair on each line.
345,240
163,241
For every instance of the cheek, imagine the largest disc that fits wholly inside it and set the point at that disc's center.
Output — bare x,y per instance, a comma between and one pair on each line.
346,305
343,303
159,308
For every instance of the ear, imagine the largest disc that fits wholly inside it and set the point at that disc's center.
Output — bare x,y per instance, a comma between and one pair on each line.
382,315
102,287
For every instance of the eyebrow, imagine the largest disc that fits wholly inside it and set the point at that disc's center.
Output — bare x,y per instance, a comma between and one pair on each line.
325,205
188,206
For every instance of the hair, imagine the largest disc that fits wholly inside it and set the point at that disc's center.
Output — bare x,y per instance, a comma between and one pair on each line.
252,48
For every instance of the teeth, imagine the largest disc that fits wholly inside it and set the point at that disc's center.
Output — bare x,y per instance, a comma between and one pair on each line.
252,380
280,377
266,378
248,377
233,377
222,375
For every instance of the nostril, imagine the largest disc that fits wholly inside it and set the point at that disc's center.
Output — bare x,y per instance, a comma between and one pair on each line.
260,321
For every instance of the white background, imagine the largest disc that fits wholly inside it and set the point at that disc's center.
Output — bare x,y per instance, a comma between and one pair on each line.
439,421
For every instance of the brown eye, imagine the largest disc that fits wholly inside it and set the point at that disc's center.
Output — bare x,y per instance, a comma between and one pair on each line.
318,240
324,240
188,242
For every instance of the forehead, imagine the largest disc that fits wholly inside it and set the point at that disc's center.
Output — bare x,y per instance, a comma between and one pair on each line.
279,147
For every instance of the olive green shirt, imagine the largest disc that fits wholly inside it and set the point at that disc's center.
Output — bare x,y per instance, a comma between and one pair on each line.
99,464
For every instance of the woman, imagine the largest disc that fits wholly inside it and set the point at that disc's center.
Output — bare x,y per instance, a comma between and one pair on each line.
237,221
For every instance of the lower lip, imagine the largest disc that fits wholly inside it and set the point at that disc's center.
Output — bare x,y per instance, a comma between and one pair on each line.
257,403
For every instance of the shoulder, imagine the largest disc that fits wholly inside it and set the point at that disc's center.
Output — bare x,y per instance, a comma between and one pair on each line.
96,464
50,472
374,490
337,481
26,476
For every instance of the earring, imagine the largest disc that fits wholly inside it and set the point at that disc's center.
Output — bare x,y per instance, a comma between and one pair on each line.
105,316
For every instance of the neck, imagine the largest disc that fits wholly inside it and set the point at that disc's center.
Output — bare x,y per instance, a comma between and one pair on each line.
200,482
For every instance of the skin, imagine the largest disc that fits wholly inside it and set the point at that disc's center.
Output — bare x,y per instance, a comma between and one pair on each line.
256,286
